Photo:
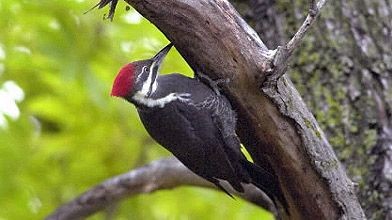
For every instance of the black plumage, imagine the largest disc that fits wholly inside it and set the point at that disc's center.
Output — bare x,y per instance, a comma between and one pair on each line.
192,121
194,131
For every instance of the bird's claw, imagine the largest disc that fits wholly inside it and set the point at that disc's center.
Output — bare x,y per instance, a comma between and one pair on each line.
214,84
183,97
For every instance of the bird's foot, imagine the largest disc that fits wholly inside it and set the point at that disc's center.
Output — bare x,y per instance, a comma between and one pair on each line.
182,97
214,84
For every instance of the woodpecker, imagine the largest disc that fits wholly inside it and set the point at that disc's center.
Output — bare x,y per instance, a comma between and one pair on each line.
191,120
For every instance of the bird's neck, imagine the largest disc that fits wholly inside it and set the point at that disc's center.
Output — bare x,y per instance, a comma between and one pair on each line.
142,100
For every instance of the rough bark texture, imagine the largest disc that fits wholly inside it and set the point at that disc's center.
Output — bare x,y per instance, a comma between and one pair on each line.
274,124
343,72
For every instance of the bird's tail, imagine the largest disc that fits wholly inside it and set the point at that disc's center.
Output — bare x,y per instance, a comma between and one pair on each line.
265,181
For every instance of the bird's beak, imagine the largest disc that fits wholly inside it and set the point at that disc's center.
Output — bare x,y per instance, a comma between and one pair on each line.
156,64
157,59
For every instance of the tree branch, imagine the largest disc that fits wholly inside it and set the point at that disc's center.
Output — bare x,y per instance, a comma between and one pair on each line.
283,53
161,174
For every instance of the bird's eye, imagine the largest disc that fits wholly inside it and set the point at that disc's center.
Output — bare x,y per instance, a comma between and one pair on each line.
144,69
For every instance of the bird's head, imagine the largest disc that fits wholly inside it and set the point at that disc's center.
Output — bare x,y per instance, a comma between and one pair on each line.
139,76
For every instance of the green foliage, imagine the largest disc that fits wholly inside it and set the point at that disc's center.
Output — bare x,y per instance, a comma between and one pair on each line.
71,134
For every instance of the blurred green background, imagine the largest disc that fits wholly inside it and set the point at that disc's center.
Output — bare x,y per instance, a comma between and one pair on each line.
60,131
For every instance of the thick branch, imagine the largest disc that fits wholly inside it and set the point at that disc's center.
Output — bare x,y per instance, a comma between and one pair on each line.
161,174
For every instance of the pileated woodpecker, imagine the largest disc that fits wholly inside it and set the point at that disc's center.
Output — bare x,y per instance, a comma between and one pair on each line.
192,121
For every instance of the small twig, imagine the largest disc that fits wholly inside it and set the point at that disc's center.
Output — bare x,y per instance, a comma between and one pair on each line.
314,11
284,53
161,174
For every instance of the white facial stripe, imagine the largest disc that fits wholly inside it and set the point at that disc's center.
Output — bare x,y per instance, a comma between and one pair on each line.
147,83
141,98
154,86
144,68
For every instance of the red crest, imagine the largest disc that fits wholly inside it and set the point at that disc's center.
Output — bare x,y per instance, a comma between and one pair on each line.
124,81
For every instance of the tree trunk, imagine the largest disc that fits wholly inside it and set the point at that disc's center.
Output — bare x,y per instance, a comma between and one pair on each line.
276,127
347,86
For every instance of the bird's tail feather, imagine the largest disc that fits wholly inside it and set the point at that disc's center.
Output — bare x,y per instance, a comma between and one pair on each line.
265,181
217,184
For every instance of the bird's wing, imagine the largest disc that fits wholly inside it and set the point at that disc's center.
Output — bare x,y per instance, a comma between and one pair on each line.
224,119
219,163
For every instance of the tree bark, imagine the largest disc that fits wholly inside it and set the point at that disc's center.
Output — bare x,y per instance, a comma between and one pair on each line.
274,123
344,73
